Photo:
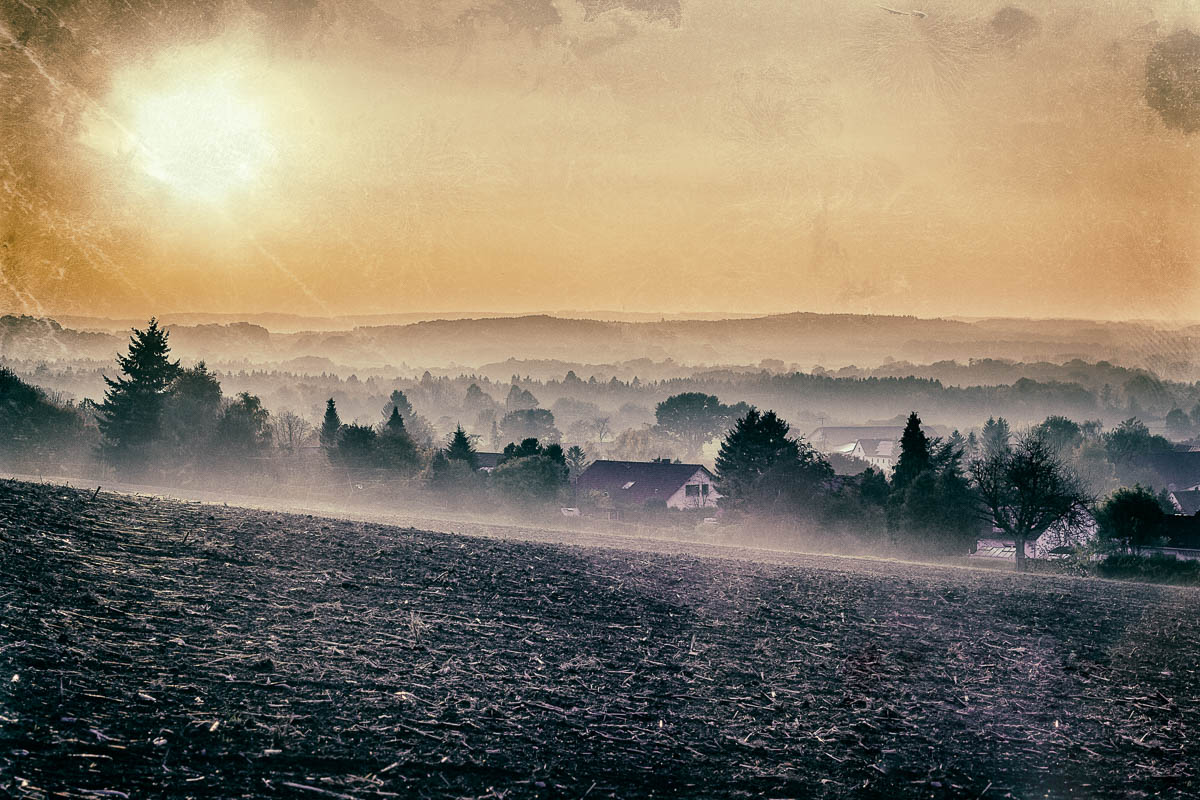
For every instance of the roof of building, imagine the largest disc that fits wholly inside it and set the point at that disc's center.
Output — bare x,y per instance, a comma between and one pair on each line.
1188,501
877,448
635,482
488,461
833,436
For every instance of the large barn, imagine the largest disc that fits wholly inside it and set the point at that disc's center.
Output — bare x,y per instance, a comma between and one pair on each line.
636,484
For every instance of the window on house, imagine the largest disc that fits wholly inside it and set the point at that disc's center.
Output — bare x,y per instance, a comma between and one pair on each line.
704,489
691,490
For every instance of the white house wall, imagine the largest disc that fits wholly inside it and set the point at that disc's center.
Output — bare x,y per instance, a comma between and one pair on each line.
679,500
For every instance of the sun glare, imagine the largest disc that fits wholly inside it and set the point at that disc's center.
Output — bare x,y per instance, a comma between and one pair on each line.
202,138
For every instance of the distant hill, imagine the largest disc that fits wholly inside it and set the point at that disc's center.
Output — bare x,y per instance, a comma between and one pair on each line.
296,323
799,340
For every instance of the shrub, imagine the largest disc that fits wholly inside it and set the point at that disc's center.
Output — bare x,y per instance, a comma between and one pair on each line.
530,480
1153,569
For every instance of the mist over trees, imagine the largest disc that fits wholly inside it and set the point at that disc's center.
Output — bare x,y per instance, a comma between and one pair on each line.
180,425
34,428
694,419
530,423
620,398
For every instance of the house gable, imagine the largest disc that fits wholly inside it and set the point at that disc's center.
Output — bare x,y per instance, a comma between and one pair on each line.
703,495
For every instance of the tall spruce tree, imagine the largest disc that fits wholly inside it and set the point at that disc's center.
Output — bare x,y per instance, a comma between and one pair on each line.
460,449
418,428
331,425
936,512
399,401
131,414
915,454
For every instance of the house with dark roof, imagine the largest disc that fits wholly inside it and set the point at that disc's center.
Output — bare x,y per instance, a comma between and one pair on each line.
1186,501
636,484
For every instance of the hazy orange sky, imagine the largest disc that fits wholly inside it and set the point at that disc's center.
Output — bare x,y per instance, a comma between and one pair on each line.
344,156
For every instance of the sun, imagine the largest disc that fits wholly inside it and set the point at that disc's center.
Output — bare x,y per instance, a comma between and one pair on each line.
203,138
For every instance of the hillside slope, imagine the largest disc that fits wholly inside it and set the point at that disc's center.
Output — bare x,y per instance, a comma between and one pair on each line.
153,648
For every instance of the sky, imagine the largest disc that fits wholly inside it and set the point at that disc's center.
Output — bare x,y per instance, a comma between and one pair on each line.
351,157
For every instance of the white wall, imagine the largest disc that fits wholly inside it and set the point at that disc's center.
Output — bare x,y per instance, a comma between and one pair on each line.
682,501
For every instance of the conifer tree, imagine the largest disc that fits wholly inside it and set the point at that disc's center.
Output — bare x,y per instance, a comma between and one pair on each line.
996,437
760,467
398,401
934,512
395,448
330,425
915,455
130,416
418,429
460,449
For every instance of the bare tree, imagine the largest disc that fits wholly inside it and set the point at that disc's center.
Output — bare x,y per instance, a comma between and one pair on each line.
1027,489
290,430
601,424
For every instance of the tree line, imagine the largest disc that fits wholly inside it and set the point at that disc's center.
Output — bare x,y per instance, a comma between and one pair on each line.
159,417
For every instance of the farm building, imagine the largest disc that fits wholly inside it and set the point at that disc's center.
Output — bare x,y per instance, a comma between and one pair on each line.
832,438
842,439
1178,535
1054,542
635,484
879,453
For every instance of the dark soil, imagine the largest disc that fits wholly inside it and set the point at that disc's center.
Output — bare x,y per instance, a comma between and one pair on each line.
160,649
